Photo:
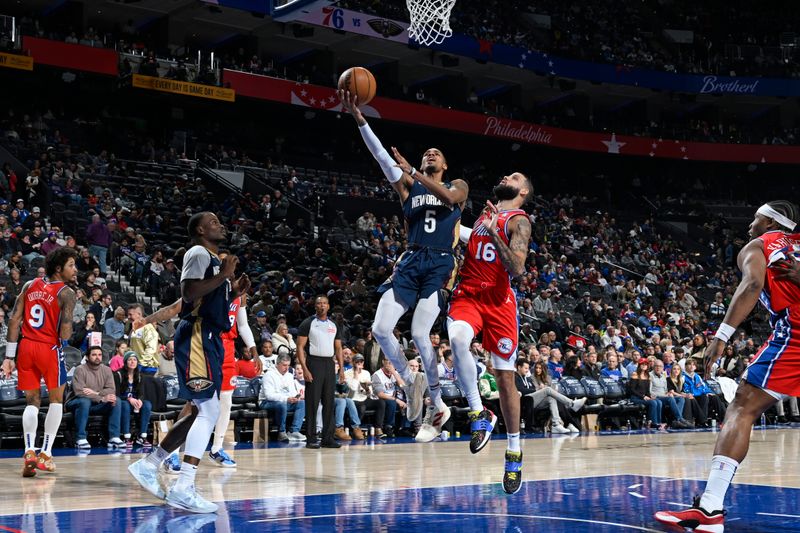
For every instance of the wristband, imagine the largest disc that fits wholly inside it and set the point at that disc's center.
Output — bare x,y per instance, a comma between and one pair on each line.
413,172
724,332
11,350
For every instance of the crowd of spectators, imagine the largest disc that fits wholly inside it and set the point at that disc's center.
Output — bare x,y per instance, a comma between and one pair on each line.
599,298
630,33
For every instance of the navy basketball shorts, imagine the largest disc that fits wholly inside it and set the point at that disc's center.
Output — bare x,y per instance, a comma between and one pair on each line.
198,359
419,273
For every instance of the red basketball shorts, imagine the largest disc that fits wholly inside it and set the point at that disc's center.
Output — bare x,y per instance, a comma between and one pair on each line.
37,360
229,365
493,312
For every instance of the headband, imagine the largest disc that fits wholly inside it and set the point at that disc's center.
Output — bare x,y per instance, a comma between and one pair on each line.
783,220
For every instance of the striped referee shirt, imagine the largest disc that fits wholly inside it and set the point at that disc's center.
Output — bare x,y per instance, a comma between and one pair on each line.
321,336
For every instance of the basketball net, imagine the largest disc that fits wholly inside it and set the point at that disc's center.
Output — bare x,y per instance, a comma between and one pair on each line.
430,20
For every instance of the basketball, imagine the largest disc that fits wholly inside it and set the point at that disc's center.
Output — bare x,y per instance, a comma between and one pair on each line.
358,81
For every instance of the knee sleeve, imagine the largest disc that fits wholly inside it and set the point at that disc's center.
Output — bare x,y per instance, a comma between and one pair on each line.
207,414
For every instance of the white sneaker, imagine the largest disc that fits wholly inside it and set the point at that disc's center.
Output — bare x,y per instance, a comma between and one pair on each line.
573,429
296,436
116,442
577,404
558,429
432,423
147,476
83,444
189,500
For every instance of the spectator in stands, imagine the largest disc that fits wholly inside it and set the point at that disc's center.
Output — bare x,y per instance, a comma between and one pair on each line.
536,391
267,355
115,326
51,243
82,333
344,402
542,304
99,238
385,383
103,309
697,387
639,390
143,341
669,359
86,263
591,368
698,348
166,360
95,393
677,384
15,284
447,368
610,338
280,394
573,367
555,367
731,365
660,391
130,396
612,368
261,329
282,341
117,360
169,282
246,366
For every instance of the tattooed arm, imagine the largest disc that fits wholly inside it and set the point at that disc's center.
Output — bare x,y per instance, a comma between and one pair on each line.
515,253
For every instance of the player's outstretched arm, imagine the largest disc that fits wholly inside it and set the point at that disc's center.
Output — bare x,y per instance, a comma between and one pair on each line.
753,265
162,315
515,253
400,182
455,195
14,323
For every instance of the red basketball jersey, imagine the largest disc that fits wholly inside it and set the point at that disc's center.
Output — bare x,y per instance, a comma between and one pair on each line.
777,295
233,310
42,319
482,266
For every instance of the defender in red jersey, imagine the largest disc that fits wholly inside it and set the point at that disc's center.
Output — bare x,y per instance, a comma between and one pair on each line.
484,301
237,313
771,274
44,311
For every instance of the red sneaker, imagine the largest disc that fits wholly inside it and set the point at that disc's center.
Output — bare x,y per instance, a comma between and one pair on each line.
695,518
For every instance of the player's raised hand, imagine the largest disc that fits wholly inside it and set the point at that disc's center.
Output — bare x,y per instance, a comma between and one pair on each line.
229,264
241,285
401,162
492,214
350,104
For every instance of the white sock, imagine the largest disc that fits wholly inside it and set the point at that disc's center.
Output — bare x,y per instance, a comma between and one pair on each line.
225,402
51,423
513,442
719,479
187,475
158,456
30,424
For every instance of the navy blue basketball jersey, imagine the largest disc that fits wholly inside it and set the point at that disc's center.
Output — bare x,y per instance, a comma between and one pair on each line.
431,223
201,263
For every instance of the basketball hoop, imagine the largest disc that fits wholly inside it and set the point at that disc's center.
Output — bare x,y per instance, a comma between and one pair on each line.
430,20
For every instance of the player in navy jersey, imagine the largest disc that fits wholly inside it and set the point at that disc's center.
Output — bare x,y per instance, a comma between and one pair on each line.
207,293
43,313
432,209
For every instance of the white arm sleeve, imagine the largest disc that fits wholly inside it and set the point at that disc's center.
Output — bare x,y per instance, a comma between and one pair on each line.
392,173
463,233
244,328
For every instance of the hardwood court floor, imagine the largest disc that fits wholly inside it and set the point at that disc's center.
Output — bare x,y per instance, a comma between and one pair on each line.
584,483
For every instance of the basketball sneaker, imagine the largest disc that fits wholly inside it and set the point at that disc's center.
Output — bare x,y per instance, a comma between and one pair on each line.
432,424
188,499
696,518
172,465
45,463
512,478
415,391
481,423
222,459
147,476
29,469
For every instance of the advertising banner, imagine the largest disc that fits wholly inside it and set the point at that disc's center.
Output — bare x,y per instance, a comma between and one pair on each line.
16,61
325,99
184,87
354,22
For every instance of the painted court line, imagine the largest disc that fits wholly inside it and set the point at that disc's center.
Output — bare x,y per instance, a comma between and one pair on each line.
676,504
780,515
429,513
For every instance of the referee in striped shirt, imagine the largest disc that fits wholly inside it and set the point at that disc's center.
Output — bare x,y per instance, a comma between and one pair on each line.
324,343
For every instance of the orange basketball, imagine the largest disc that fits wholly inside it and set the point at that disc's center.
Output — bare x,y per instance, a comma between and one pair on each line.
359,81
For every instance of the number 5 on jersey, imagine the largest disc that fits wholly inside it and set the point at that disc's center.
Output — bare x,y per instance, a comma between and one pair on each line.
486,252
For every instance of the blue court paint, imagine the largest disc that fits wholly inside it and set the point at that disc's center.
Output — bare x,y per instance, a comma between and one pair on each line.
596,504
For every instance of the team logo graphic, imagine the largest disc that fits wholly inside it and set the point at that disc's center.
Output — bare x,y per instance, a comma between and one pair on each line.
233,381
505,345
199,384
387,28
